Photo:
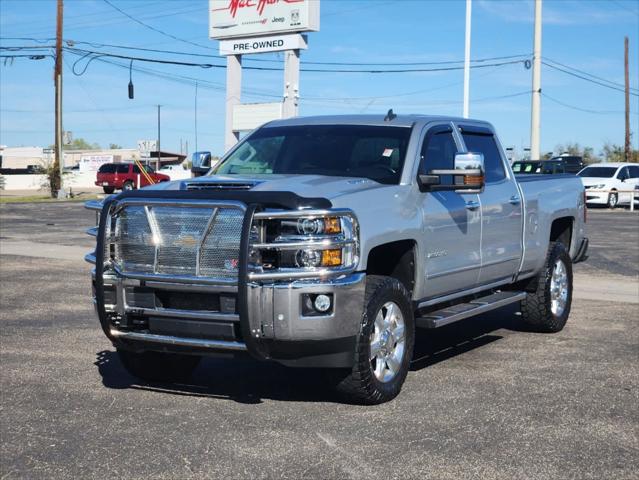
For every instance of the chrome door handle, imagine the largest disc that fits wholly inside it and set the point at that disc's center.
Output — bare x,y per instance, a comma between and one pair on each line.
472,205
514,200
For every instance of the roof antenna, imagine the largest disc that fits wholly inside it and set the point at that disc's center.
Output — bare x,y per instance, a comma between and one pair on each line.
390,116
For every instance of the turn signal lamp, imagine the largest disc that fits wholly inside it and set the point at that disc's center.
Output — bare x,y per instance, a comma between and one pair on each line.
332,258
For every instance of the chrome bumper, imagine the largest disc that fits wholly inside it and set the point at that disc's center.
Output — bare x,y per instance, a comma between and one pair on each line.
274,313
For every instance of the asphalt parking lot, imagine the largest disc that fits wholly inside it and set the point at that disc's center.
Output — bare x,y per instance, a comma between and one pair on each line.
485,398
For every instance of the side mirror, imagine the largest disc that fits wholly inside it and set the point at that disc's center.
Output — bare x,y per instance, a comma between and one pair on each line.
471,172
468,175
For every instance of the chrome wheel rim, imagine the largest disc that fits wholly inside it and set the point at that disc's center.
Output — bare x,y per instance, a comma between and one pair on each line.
387,342
613,200
558,289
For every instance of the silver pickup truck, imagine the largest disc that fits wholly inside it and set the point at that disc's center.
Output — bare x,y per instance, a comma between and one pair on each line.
326,241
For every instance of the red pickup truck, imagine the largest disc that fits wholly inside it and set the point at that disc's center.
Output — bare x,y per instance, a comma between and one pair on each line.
124,176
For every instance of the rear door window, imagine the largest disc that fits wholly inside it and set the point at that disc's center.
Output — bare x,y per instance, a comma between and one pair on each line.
633,171
486,145
122,169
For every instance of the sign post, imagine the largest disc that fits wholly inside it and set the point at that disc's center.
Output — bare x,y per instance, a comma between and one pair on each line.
250,27
233,97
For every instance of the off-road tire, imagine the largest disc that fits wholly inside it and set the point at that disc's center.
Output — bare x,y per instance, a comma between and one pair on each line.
613,200
360,385
108,190
128,185
158,366
536,307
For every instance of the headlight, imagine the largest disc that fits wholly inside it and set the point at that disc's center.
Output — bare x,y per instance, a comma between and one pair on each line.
304,241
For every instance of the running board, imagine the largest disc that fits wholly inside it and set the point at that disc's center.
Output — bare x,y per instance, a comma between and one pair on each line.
454,313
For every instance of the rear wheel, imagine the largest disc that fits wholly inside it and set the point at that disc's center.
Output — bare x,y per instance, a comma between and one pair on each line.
384,346
158,366
108,190
128,185
547,309
613,199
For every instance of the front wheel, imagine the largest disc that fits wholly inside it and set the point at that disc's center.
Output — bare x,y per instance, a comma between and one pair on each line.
158,366
385,343
613,200
547,309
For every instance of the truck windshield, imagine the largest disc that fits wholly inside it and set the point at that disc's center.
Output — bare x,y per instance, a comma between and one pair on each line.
375,152
598,172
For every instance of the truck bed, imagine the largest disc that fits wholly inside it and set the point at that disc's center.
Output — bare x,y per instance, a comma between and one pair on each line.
548,198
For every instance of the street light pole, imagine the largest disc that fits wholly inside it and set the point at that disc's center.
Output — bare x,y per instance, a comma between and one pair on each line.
535,120
469,7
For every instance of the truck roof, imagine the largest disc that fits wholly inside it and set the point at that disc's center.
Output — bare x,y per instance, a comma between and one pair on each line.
378,119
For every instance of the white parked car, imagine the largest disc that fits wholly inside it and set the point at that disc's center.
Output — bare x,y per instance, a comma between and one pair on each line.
610,184
176,172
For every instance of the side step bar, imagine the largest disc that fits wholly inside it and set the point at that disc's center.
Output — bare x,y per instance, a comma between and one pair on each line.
454,313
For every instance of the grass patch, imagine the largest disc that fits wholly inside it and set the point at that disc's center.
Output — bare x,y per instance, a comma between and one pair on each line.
46,198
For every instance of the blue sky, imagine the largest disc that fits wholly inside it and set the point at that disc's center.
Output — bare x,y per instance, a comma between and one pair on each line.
587,35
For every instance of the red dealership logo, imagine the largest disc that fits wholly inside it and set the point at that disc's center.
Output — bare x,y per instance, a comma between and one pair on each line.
259,5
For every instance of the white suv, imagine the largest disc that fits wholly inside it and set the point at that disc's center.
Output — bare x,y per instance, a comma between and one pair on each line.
610,184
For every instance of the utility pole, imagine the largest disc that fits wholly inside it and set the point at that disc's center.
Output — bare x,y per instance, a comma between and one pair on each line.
469,7
535,120
290,106
627,92
157,164
58,163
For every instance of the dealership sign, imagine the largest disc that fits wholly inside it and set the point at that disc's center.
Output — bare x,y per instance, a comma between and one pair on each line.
91,163
271,43
246,18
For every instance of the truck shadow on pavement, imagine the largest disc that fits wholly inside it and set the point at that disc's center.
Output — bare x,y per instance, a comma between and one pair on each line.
248,381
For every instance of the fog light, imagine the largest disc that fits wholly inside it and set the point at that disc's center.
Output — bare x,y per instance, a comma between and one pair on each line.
308,258
322,303
317,304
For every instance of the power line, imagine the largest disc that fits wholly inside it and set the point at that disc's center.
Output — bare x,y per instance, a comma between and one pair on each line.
585,110
568,72
157,30
620,85
92,55
71,43
625,7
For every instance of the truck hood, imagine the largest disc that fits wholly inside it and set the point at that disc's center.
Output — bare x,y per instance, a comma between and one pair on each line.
303,185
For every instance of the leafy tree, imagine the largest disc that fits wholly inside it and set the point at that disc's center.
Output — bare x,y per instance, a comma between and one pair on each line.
114,146
79,144
574,149
616,153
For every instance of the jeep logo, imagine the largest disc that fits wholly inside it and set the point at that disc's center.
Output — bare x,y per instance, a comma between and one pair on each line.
277,19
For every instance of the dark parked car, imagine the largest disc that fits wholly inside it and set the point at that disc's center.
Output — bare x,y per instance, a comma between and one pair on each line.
116,176
545,167
527,166
571,163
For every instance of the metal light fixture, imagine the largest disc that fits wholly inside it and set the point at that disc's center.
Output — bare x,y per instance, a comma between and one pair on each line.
131,93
